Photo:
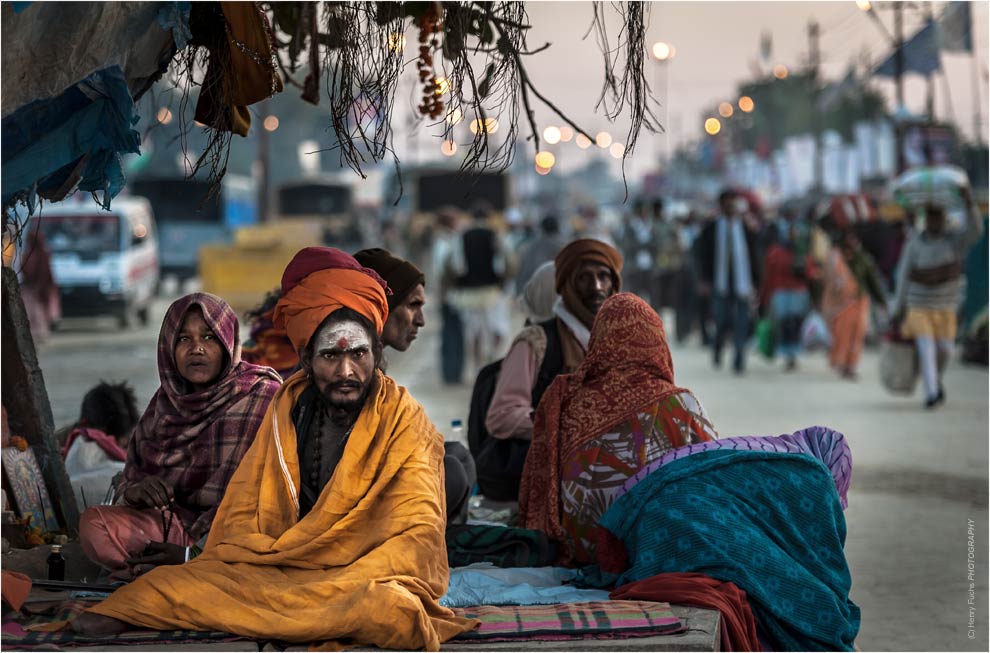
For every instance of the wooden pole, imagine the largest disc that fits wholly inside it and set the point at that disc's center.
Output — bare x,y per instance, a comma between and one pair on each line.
26,401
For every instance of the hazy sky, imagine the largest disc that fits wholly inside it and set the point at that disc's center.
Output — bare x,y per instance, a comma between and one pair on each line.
718,45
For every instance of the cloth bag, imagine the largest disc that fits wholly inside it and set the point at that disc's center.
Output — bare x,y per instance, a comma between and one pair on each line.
815,333
899,369
764,337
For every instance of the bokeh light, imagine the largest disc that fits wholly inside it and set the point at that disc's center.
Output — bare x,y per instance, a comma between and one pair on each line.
545,159
713,126
551,135
745,104
271,123
603,139
725,110
449,148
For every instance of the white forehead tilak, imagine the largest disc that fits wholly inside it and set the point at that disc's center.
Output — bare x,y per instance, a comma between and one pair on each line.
345,336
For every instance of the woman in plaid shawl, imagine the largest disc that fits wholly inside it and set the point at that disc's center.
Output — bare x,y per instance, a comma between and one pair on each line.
187,445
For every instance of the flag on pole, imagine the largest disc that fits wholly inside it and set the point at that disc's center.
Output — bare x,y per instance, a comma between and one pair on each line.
920,55
955,28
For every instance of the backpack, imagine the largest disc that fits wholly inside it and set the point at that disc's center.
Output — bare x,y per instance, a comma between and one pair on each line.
500,462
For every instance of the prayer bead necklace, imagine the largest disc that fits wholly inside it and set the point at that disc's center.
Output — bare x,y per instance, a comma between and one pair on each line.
314,473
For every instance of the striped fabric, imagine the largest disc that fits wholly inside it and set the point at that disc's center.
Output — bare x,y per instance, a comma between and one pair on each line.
606,619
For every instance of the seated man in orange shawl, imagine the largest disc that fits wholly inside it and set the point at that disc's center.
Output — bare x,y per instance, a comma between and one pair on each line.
333,525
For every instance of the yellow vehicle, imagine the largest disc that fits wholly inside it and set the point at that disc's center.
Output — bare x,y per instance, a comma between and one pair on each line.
310,213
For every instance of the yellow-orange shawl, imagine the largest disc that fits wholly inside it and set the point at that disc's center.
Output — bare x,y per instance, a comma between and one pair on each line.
368,563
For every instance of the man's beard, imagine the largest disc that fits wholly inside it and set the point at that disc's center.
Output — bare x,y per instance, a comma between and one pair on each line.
346,407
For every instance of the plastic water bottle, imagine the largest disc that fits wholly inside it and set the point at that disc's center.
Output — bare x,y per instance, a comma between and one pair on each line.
457,431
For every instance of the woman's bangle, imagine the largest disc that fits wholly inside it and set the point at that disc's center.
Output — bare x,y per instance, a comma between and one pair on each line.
187,555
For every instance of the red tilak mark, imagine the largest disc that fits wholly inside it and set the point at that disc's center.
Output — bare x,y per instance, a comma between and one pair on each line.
342,344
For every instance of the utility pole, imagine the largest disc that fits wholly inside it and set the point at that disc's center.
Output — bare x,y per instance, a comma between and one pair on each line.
899,82
814,60
930,78
262,161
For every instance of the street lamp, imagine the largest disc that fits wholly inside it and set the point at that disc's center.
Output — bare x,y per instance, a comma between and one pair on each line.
663,52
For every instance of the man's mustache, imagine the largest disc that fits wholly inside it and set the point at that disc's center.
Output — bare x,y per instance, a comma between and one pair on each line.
344,385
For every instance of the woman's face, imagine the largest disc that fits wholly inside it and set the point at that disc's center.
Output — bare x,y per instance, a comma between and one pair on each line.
199,355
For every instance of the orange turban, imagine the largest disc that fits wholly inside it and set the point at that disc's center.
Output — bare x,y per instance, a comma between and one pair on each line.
569,260
304,307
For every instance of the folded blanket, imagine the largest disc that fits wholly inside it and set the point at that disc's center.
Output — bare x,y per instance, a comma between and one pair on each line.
500,545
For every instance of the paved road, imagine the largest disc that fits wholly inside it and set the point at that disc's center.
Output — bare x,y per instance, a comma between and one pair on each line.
918,476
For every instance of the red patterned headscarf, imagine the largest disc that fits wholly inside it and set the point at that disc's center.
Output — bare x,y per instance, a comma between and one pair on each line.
627,369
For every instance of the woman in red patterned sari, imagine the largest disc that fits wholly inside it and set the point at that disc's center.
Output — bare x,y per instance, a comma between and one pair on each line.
618,412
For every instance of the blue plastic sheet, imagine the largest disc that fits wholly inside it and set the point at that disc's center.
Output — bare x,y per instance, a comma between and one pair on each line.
44,141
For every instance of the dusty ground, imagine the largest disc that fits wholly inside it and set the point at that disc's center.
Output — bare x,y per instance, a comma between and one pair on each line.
918,476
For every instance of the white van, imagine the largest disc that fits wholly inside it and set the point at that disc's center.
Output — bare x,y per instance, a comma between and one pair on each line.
104,262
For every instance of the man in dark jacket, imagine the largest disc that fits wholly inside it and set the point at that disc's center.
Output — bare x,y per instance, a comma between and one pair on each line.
729,275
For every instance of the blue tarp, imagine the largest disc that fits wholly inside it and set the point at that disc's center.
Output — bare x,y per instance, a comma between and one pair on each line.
45,140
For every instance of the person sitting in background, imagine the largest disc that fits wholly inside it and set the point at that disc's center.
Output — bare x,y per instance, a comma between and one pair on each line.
405,319
587,273
187,444
267,345
618,412
539,295
929,291
333,525
405,304
96,446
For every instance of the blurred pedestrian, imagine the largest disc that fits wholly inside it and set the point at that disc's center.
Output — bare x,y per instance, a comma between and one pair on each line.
445,239
39,292
729,274
538,251
638,245
478,265
784,293
929,291
845,305
686,294
669,257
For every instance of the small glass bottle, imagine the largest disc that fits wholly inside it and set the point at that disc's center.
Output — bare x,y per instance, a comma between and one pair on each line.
56,563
